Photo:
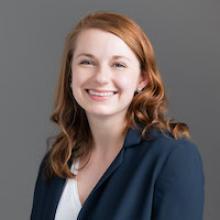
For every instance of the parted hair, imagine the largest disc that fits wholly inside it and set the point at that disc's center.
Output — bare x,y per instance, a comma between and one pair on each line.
147,109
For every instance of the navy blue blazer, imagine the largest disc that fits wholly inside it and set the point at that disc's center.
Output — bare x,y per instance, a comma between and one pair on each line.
159,179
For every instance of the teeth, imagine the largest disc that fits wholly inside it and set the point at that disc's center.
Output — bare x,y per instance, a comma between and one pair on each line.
100,93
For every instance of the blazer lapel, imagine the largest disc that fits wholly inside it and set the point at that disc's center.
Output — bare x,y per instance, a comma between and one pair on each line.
132,138
52,197
57,184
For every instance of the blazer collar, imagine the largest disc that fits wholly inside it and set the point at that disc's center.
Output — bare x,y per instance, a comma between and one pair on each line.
132,138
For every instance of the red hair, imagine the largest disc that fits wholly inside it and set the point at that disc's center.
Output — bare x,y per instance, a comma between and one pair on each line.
147,109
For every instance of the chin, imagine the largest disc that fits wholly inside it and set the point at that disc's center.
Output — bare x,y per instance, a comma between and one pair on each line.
99,113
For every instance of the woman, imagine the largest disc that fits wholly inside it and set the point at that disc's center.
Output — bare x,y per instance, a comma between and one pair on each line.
117,156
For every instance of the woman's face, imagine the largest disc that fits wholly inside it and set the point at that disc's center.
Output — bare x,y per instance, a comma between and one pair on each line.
105,73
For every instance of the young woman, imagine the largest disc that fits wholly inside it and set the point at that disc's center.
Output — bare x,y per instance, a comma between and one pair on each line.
117,156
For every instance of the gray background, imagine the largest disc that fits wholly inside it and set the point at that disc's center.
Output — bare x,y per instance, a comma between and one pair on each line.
186,38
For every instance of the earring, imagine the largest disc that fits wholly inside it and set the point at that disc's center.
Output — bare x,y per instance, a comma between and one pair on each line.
138,90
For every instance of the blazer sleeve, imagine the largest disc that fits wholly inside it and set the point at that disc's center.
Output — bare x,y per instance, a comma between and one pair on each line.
179,189
39,192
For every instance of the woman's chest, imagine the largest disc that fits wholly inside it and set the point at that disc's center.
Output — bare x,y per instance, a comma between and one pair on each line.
127,192
88,177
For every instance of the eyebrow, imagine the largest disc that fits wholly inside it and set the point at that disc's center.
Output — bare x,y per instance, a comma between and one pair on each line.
92,56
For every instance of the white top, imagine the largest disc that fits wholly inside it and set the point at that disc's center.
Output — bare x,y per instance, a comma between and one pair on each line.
69,204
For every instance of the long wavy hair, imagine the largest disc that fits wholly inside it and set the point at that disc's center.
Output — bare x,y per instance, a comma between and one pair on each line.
147,109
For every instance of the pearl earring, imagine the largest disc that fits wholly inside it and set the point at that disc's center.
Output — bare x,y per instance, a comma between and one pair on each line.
138,90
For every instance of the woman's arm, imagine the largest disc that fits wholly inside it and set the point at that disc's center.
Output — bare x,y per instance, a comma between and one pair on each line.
179,190
39,192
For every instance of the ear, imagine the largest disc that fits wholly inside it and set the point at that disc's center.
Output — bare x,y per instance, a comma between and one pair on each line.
142,82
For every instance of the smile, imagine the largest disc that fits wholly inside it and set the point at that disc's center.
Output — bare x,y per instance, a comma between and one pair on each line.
99,96
100,93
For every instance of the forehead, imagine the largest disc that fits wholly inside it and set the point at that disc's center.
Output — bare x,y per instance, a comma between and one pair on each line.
102,44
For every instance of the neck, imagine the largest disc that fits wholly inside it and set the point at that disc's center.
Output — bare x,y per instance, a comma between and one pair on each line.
107,134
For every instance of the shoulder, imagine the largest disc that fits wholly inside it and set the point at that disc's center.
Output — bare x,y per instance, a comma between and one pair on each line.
42,169
172,156
179,180
165,144
180,158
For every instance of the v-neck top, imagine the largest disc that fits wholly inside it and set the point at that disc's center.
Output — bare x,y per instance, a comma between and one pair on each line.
69,204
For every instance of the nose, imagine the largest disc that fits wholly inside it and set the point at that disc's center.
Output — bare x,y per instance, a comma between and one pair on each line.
102,74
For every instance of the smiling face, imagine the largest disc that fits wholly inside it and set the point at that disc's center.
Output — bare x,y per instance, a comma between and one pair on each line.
105,74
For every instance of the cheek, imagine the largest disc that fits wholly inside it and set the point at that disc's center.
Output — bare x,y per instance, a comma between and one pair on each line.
76,83
75,79
78,78
126,83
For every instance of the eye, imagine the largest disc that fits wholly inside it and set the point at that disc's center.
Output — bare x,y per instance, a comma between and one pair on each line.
86,62
119,65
